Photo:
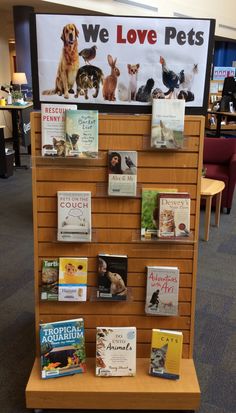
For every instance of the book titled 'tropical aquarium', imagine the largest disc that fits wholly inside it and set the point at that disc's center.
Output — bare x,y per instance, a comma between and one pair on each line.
62,347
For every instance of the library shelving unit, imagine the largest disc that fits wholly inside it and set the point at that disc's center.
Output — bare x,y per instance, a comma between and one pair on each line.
116,230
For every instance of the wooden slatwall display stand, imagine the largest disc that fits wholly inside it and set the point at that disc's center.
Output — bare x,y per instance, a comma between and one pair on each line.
116,228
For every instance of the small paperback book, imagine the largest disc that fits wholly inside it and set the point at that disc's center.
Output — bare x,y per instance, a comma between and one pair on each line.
81,128
116,351
167,130
62,348
122,173
166,353
174,215
162,291
53,128
112,277
74,216
72,279
50,275
149,213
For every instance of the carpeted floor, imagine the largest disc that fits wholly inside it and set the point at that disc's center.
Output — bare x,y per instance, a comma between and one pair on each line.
215,336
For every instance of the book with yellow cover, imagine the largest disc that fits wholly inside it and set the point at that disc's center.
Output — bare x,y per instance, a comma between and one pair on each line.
166,353
72,279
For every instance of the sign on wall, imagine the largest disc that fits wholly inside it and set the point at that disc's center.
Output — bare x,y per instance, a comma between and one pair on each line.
117,63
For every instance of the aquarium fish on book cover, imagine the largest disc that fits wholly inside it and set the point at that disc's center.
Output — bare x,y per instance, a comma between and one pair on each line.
166,353
53,128
50,275
81,127
72,279
116,351
162,291
62,348
122,173
74,216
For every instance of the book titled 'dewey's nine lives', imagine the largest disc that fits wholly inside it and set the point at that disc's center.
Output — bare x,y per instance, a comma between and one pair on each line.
116,351
174,215
74,216
62,348
162,290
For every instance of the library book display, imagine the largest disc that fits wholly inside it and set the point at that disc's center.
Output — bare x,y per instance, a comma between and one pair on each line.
116,230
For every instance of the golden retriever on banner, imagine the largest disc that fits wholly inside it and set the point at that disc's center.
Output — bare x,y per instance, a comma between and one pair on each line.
69,63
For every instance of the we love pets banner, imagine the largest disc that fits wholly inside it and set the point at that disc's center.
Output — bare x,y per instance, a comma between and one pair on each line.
123,62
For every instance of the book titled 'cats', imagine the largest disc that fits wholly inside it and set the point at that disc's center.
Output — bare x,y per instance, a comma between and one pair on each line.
116,351
74,216
166,353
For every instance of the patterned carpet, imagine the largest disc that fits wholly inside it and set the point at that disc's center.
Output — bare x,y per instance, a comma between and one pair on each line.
215,335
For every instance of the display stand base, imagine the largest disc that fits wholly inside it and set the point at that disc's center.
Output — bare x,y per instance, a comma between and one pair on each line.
142,392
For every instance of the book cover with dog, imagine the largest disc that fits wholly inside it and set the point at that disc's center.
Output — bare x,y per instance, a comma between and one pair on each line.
162,291
74,216
50,275
62,348
167,125
122,173
112,277
174,215
53,128
72,279
116,351
166,353
149,211
81,127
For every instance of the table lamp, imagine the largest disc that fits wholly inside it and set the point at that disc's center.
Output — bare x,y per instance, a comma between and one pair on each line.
19,78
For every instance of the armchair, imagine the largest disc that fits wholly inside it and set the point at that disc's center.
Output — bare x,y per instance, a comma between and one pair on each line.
219,159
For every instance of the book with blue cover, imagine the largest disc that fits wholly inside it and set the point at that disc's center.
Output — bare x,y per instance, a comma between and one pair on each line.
62,347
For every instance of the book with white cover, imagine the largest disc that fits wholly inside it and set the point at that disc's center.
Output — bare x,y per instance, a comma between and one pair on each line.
53,128
122,173
167,130
116,351
74,216
162,291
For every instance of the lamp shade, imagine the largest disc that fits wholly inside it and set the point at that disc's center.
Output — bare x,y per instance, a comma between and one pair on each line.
19,78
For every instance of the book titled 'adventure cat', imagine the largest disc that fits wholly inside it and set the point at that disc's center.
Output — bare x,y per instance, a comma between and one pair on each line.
116,351
62,348
167,130
166,353
81,127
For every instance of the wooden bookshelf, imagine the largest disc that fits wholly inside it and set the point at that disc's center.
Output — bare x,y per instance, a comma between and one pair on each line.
116,229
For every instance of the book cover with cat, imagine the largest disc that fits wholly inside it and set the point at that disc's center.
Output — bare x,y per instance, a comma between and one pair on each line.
81,127
74,216
62,348
174,215
115,351
167,125
112,277
162,291
149,211
53,128
50,275
72,279
166,353
122,173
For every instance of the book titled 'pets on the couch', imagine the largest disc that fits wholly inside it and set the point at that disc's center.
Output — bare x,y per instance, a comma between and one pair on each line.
74,216
53,128
81,127
166,353
112,277
167,130
162,291
62,347
72,279
116,351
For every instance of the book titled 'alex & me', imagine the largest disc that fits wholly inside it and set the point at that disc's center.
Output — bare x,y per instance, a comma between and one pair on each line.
74,216
122,173
62,347
116,351
166,353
